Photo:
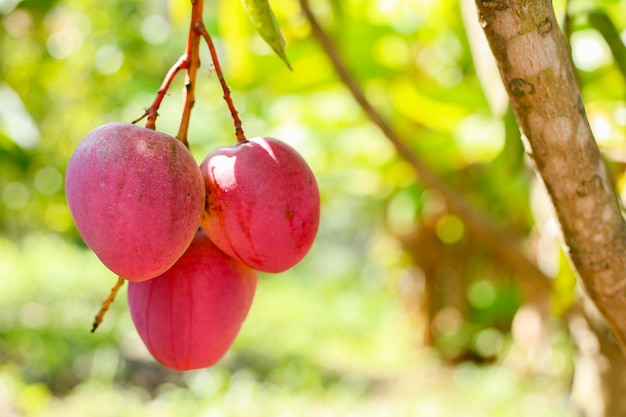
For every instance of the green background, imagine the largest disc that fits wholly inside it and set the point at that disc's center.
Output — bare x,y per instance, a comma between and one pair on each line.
342,333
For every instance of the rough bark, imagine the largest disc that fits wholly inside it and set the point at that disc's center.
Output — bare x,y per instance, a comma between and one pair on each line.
536,69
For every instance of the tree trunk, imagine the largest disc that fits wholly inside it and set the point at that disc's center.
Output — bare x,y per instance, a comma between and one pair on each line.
535,67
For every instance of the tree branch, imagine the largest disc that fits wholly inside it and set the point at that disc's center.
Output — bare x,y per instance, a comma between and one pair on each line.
234,114
537,72
192,54
536,284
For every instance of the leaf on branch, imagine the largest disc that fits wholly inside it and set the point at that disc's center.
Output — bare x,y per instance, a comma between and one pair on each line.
262,16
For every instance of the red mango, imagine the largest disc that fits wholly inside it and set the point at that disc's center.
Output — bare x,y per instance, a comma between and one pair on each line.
136,196
189,316
263,203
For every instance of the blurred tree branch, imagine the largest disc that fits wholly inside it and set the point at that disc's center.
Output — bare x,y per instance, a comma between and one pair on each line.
501,242
536,69
611,35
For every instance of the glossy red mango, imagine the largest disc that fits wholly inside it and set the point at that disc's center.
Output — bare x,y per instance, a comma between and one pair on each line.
189,316
136,196
263,203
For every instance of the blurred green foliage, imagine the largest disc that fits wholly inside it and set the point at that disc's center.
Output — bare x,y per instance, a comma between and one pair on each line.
343,332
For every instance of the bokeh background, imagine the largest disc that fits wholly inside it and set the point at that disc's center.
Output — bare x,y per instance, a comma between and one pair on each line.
397,310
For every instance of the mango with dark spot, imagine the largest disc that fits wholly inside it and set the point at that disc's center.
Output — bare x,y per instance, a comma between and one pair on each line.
263,203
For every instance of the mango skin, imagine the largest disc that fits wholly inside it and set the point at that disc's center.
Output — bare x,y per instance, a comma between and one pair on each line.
189,316
136,196
263,203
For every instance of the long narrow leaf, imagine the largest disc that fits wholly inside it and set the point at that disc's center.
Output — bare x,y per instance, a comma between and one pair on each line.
265,22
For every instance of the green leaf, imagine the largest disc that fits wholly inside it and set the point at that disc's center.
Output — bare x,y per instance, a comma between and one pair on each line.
264,20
